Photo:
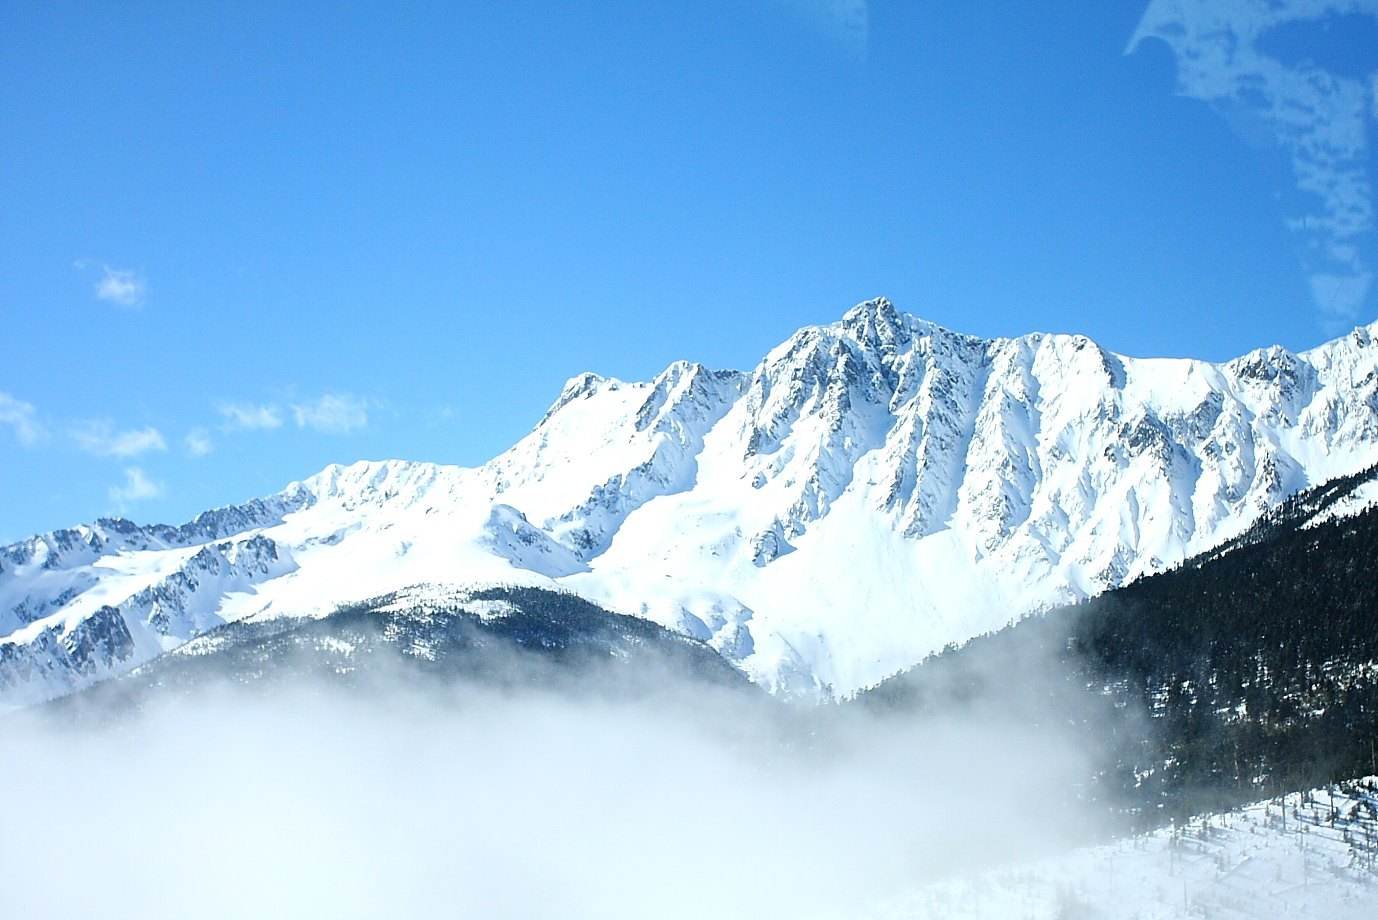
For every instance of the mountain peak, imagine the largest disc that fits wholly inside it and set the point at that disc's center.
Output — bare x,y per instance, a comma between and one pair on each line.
874,488
879,322
580,386
874,317
875,306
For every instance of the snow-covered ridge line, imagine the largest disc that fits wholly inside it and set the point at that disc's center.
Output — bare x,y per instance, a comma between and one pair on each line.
58,548
872,490
103,636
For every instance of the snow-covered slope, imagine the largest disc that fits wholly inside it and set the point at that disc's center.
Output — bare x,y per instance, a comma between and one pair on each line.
874,489
1309,854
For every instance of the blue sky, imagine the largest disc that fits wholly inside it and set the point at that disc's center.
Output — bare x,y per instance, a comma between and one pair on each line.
239,242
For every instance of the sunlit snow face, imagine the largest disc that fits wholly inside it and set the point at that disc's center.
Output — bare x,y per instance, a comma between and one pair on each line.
1259,64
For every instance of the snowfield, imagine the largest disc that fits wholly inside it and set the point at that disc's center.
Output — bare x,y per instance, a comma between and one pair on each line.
1284,858
873,490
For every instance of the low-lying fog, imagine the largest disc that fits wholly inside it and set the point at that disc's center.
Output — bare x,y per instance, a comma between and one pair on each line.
691,803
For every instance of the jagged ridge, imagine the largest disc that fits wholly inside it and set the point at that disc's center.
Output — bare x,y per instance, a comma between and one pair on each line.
873,489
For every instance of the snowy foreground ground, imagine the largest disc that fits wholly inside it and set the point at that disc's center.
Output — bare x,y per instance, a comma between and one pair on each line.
1267,860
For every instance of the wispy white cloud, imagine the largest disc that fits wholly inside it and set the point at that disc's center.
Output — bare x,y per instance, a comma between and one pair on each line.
1317,117
333,413
22,419
330,413
101,438
121,286
198,442
848,22
135,488
250,417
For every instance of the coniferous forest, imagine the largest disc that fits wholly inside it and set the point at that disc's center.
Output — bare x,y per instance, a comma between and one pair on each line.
1242,673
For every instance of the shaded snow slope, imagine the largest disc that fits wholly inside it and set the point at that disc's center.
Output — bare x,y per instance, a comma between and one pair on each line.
425,638
874,489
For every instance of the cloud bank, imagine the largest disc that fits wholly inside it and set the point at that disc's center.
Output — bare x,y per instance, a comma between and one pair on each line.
512,805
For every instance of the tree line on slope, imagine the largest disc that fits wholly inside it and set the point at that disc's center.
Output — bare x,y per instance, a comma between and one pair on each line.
1233,677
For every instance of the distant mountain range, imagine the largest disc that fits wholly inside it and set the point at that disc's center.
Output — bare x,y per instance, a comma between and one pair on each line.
873,490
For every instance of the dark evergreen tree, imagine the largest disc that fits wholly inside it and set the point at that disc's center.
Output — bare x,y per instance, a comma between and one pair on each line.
1243,673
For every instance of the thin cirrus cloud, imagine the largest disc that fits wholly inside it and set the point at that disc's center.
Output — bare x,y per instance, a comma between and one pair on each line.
250,417
333,413
21,418
1317,115
102,439
136,487
330,413
198,442
847,22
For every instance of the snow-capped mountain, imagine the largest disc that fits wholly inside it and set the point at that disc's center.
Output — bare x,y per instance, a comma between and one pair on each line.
873,490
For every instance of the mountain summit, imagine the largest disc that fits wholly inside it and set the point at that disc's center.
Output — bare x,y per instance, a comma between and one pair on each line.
872,490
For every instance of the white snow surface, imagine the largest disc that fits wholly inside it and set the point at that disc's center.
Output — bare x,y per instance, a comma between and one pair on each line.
1301,855
1364,497
872,490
